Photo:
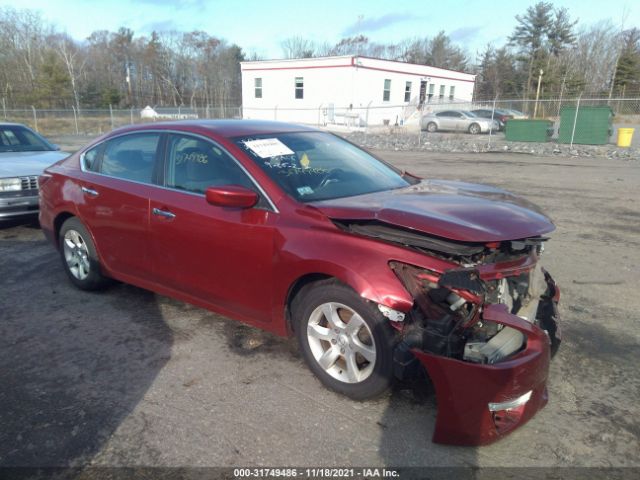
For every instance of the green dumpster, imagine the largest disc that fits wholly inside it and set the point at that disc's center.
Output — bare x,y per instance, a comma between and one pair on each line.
528,130
593,125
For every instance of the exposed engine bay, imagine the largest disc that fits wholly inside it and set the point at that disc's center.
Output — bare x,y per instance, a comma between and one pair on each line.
446,318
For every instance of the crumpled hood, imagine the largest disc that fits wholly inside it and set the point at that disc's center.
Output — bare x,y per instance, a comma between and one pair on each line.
455,210
23,164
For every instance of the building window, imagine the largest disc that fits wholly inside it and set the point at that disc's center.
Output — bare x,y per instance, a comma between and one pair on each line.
452,92
258,87
432,88
442,87
299,88
407,92
386,94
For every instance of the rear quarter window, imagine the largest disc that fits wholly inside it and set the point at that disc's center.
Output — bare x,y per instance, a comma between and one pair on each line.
90,159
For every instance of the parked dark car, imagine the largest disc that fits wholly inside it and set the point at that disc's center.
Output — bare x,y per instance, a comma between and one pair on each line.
381,276
501,116
23,156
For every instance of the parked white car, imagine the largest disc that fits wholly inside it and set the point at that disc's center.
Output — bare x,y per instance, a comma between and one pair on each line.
457,120
23,156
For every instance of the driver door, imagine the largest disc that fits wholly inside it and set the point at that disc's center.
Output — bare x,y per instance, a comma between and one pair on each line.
219,256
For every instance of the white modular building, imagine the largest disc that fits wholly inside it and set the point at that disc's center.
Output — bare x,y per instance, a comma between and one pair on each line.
350,90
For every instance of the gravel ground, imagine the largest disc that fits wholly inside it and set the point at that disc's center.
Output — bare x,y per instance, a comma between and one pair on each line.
411,141
128,377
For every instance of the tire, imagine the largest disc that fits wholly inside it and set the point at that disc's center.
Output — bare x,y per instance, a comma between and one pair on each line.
474,129
356,361
432,127
79,256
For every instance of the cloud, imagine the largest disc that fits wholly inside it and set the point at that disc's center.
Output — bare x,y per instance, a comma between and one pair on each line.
173,3
373,24
464,34
160,26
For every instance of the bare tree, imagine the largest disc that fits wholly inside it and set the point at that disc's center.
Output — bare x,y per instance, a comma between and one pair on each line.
298,47
74,60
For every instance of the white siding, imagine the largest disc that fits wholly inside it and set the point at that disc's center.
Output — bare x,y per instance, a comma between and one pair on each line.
343,89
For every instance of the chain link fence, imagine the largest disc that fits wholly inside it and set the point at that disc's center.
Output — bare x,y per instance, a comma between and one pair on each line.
580,120
98,121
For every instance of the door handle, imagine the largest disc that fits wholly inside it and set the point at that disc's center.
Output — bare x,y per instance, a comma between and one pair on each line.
90,191
163,213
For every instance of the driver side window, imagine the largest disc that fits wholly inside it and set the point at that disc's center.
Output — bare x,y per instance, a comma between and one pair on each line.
195,164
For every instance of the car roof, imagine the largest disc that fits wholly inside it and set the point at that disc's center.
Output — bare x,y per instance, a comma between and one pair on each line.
223,128
11,124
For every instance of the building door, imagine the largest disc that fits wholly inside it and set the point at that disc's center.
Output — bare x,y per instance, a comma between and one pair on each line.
423,91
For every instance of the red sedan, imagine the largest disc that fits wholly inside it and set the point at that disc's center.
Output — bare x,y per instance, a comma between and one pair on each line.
383,277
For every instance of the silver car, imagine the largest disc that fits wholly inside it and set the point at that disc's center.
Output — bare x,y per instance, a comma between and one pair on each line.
23,156
457,120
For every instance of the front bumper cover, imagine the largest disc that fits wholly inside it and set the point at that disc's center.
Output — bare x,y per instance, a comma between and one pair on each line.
19,204
464,390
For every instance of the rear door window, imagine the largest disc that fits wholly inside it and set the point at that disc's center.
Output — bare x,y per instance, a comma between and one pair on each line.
131,157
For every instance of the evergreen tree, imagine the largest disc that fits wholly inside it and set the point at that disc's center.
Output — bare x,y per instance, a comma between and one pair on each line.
627,77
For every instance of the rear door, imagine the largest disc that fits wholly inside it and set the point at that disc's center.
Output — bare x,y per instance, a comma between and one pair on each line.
447,120
116,184
220,256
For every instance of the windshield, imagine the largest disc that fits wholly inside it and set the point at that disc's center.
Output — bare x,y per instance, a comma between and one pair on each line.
312,166
14,138
469,114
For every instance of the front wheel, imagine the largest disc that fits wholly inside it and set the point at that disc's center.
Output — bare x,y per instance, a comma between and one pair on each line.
344,339
79,256
432,127
474,129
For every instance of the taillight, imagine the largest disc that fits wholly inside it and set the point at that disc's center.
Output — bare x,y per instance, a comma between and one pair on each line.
44,178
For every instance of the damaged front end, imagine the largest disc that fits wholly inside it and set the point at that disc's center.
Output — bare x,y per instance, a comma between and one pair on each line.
484,331
484,334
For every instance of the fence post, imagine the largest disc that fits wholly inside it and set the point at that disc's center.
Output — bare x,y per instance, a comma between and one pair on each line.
75,119
35,117
493,112
275,113
131,115
575,119
366,122
4,108
111,115
206,111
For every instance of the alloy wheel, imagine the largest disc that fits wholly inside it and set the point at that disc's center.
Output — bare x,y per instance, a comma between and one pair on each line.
76,254
341,342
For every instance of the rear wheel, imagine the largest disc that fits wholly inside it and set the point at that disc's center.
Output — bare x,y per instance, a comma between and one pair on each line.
474,129
344,339
79,256
432,127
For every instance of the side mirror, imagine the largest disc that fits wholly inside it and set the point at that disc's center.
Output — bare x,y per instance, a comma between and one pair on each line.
55,147
233,196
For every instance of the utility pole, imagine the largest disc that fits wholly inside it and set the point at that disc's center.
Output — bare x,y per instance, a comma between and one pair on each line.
128,80
535,108
625,13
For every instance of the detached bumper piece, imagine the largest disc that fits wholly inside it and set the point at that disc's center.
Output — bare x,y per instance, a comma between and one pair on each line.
478,403
485,337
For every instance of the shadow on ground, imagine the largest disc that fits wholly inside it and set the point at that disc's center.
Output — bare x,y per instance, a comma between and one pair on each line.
70,371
